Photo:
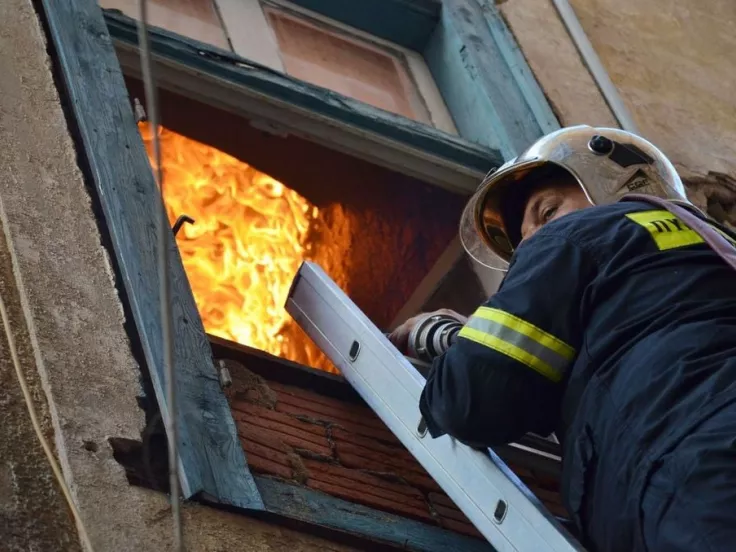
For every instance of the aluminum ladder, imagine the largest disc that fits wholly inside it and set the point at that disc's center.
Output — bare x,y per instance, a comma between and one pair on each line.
493,498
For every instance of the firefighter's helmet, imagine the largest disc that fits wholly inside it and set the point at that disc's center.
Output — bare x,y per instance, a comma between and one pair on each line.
607,163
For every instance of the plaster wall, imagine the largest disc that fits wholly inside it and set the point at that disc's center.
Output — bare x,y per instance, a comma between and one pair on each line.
672,63
66,317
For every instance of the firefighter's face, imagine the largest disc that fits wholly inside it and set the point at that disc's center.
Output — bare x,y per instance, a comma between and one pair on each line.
550,201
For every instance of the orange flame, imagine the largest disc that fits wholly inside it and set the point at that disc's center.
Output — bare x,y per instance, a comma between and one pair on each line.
240,256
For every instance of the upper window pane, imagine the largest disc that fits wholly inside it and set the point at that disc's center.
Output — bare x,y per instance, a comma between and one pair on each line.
350,66
197,19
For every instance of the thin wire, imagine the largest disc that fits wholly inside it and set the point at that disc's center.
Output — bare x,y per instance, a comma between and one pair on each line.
37,428
163,271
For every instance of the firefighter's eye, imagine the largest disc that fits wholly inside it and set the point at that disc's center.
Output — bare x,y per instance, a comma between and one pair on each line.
548,212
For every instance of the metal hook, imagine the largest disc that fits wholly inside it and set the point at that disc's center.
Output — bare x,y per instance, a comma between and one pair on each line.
180,222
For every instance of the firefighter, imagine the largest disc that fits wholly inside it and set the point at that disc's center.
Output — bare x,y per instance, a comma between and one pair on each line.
615,326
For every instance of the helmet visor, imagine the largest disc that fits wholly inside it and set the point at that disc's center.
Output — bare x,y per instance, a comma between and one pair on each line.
483,231
473,240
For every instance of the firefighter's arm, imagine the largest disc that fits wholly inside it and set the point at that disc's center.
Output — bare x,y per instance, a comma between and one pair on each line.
505,374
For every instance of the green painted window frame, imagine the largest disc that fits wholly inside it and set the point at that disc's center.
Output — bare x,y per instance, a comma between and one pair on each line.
482,75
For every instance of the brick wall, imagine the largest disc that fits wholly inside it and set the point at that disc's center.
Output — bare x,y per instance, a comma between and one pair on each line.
343,449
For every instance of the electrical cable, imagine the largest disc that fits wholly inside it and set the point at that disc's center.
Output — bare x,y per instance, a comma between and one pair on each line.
84,536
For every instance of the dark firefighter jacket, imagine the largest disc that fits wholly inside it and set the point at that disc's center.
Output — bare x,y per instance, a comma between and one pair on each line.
616,327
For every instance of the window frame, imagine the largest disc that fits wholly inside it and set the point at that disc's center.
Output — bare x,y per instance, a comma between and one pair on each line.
283,105
266,50
115,163
489,89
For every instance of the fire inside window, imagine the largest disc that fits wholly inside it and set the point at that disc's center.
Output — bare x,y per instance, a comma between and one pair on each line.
250,235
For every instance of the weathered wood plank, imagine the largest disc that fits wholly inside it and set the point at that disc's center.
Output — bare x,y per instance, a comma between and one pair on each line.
333,513
211,458
408,23
487,85
232,69
530,89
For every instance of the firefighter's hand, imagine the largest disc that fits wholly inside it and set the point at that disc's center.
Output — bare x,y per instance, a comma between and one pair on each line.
400,336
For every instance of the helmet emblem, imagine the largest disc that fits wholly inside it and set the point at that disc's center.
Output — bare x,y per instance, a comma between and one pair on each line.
638,181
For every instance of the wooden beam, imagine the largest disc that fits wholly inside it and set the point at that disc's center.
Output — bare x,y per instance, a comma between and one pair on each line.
531,95
284,371
313,507
429,284
487,85
255,91
117,169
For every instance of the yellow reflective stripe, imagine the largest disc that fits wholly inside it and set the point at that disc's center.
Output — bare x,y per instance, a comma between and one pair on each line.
511,350
530,330
516,338
668,231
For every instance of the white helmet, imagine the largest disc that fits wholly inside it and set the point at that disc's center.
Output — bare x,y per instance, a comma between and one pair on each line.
607,163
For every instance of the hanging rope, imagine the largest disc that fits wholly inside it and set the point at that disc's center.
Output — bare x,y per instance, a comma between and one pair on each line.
163,271
83,535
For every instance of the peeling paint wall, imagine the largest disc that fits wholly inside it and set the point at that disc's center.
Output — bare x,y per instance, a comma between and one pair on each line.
673,64
66,317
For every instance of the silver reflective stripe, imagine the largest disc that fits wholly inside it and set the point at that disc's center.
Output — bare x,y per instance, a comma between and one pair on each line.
548,362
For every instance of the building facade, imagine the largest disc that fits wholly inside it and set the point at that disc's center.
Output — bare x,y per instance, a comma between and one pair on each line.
402,111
